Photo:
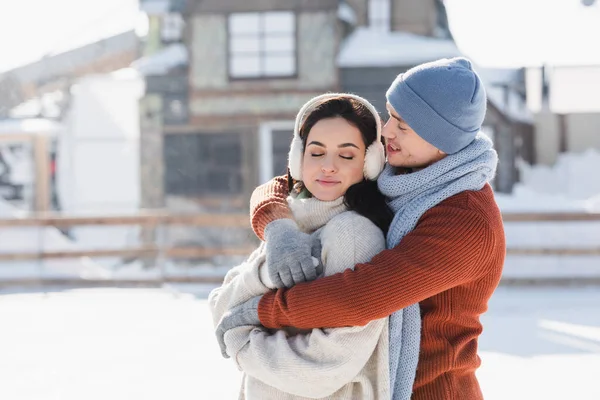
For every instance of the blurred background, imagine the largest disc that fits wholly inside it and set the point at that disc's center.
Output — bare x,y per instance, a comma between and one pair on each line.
132,133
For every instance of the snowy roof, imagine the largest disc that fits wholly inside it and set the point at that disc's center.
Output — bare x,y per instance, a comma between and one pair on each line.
162,61
366,47
155,7
46,105
31,125
510,103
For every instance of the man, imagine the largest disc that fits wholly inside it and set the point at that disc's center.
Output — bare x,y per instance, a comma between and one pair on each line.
446,245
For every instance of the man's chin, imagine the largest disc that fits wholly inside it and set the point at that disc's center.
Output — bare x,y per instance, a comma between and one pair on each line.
396,163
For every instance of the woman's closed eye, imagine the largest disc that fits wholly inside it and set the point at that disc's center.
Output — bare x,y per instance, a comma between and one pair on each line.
322,154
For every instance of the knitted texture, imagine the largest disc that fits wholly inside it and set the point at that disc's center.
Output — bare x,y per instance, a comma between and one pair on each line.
266,208
410,196
450,264
339,363
443,101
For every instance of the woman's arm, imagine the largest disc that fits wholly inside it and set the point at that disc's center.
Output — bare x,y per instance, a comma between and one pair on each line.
318,363
268,203
288,249
241,283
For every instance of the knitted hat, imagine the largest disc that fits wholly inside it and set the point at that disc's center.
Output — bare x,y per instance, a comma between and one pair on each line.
374,157
443,101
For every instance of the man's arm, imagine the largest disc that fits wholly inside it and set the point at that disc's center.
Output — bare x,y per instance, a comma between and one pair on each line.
446,249
268,203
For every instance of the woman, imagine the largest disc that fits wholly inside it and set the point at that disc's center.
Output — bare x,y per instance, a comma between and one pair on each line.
335,158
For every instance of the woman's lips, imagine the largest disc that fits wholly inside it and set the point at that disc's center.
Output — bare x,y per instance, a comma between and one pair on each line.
327,183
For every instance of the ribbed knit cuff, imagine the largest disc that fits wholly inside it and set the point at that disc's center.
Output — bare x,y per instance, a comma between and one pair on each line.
266,313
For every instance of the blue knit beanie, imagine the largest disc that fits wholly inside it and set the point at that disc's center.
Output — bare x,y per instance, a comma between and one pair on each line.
443,101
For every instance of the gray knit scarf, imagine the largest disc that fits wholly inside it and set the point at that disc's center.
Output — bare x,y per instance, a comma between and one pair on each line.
410,196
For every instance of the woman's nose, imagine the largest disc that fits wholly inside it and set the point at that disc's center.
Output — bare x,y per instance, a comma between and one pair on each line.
328,165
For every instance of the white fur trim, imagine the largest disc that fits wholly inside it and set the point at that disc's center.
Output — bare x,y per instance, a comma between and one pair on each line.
295,158
374,157
374,160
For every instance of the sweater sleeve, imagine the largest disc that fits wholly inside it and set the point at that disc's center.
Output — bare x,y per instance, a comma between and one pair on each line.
240,284
318,363
268,203
447,248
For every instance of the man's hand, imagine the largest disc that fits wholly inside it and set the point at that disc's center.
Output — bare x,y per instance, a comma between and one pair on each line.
292,257
242,315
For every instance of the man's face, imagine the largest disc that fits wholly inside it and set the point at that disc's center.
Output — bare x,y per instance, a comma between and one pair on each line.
404,147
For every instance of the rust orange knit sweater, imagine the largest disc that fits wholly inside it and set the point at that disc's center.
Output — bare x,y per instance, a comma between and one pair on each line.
450,264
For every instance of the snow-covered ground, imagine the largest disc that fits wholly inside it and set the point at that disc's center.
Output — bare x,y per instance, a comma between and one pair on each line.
569,186
123,344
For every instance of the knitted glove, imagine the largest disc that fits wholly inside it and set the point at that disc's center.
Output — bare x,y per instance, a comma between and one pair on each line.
289,254
242,315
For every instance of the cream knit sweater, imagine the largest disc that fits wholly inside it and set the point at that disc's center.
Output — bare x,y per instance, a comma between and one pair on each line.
340,363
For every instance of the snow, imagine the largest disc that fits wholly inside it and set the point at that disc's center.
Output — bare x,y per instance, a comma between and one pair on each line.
155,7
511,105
156,344
162,61
570,185
31,240
346,13
370,48
574,175
29,126
47,105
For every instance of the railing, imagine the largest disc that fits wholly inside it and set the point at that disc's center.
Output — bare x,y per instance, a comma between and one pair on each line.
155,222
553,217
158,220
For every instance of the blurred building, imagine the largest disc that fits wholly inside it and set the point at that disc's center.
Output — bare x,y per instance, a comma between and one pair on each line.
226,78
565,101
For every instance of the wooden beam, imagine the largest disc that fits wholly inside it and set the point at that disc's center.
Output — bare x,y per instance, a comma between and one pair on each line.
551,217
121,283
143,251
42,173
196,252
538,251
236,220
149,218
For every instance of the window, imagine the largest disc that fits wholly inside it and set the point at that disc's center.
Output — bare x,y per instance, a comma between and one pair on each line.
262,45
203,164
171,28
274,143
380,15
281,148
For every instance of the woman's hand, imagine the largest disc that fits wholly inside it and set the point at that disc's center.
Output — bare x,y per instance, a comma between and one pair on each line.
242,315
292,256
